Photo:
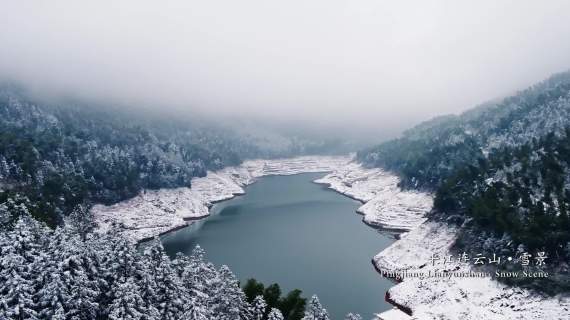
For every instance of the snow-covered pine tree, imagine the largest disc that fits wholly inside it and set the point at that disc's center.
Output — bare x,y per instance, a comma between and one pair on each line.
129,305
275,314
83,299
21,267
197,312
199,278
59,314
53,296
229,300
4,171
82,221
16,288
315,310
171,296
258,307
5,216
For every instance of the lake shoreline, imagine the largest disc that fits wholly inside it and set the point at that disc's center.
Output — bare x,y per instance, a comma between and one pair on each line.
395,233
384,205
327,233
341,175
155,212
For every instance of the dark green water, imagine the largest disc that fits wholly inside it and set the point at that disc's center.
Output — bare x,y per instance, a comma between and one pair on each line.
291,231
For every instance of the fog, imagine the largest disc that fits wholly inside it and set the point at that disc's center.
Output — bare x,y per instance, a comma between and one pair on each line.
366,66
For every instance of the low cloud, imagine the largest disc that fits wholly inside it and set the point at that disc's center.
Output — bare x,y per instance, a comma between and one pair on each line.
378,66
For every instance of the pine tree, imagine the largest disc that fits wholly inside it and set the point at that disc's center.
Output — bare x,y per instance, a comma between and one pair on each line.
252,289
5,216
83,299
229,300
21,264
82,220
4,169
197,312
315,310
129,305
275,314
58,315
170,296
16,289
272,294
293,305
53,296
258,307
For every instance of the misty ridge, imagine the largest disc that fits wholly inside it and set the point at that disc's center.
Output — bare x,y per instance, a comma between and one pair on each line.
369,70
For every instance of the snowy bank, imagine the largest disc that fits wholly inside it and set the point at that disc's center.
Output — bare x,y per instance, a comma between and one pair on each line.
456,297
385,205
154,212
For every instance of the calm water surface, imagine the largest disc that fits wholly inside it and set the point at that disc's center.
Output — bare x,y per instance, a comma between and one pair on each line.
299,234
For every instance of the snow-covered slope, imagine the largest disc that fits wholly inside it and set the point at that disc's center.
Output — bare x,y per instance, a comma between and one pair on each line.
385,205
456,297
432,297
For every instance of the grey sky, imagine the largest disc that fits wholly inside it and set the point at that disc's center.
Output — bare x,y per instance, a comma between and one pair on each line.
380,64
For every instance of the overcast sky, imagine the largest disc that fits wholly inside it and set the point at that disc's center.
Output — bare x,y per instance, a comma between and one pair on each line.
369,63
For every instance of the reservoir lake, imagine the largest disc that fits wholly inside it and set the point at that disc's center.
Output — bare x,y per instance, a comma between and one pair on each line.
299,234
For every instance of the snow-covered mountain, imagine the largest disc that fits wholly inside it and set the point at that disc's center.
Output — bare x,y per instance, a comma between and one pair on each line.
56,161
56,156
502,170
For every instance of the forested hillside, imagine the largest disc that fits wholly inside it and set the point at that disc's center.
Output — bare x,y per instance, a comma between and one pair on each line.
56,160
505,165
428,153
54,157
71,273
